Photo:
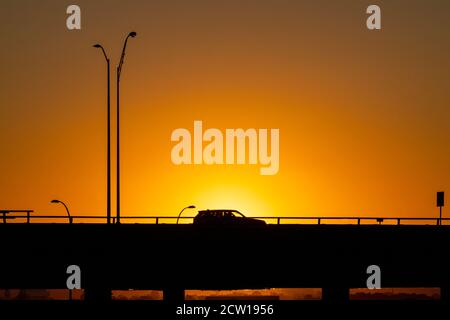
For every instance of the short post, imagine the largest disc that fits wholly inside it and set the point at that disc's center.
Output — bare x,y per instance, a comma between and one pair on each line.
440,204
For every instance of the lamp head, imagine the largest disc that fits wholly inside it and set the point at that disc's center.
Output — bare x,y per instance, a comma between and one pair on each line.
132,34
55,201
191,207
97,46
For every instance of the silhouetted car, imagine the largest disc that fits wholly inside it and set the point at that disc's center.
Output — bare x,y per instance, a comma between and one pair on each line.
225,217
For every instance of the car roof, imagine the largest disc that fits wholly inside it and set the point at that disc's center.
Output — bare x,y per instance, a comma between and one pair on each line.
217,211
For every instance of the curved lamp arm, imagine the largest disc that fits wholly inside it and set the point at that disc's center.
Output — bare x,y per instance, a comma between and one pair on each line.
122,57
67,209
189,207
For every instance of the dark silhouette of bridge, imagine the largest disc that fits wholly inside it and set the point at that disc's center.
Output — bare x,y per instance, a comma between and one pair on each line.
173,258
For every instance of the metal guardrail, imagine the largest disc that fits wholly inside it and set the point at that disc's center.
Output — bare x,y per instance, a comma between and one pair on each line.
5,212
278,220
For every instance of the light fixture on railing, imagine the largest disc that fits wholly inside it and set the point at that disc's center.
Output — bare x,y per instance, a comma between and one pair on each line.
189,207
67,209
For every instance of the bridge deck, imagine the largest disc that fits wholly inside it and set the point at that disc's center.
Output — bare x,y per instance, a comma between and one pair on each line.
146,256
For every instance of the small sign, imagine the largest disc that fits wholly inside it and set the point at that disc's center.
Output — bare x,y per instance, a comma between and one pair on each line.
440,199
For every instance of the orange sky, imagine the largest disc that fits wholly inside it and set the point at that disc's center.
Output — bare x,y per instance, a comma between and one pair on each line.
363,115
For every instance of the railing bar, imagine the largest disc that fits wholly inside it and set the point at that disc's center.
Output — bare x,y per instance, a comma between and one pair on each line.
378,220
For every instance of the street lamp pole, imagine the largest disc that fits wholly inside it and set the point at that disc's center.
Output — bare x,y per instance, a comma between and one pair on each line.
108,161
119,70
67,209
179,215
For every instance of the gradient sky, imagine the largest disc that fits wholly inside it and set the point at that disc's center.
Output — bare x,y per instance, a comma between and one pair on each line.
363,115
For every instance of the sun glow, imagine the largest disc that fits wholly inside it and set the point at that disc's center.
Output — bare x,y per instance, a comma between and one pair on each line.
234,197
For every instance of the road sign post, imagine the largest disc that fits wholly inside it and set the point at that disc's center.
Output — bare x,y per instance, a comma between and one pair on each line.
440,204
